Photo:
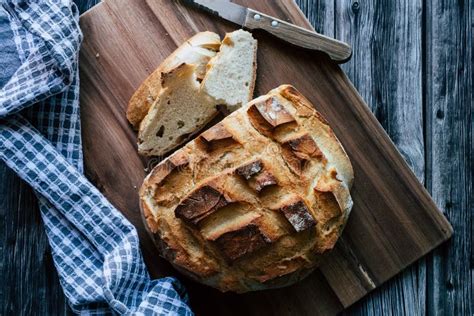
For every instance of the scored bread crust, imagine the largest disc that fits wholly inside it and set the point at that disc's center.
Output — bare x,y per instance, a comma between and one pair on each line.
255,201
197,50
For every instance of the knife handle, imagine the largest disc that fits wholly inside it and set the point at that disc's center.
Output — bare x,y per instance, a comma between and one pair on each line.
337,50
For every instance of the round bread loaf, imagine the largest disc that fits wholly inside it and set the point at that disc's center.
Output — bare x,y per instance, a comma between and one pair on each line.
255,201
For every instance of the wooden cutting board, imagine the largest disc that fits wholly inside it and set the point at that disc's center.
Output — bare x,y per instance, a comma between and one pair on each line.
394,221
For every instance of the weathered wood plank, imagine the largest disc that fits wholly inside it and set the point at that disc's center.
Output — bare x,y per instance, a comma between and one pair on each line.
386,70
30,282
386,67
449,128
388,74
30,285
320,13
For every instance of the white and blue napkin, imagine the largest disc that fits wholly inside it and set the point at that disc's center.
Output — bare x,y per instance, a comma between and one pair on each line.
95,249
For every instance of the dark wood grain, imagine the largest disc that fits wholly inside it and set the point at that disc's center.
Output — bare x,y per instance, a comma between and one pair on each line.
385,36
443,39
387,45
30,284
449,100
392,211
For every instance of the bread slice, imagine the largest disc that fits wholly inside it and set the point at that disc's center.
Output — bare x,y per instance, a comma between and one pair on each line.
180,110
186,107
198,50
231,74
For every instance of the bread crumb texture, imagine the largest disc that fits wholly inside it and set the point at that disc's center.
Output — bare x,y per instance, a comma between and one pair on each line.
190,87
230,77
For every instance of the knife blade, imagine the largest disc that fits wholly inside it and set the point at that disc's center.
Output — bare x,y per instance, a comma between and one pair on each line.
253,19
222,8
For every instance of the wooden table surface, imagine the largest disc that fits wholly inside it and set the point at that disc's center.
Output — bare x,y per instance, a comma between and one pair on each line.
413,65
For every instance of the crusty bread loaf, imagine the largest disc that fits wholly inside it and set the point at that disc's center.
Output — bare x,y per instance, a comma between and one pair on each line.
230,77
255,201
177,113
169,122
198,50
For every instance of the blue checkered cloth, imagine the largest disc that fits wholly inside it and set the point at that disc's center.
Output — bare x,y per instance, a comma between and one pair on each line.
95,249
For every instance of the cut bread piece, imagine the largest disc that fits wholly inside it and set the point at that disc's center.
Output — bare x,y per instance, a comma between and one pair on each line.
198,50
180,111
230,77
191,93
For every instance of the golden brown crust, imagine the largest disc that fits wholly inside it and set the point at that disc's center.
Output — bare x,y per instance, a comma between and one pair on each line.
297,214
215,137
267,115
200,204
143,98
257,176
237,243
256,200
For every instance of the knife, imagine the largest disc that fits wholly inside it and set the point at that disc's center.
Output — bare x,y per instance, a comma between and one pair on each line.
253,19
